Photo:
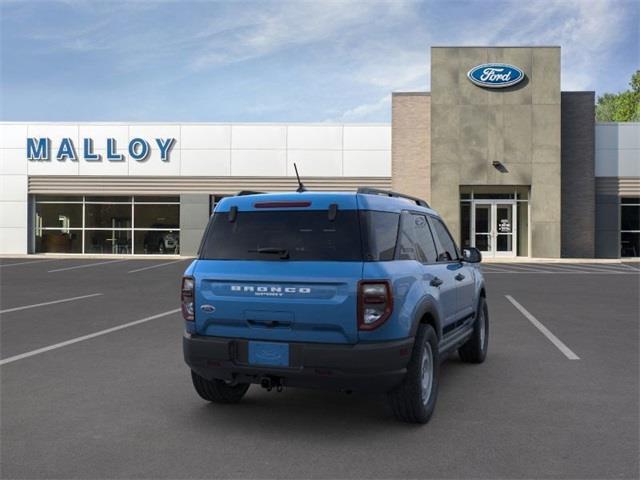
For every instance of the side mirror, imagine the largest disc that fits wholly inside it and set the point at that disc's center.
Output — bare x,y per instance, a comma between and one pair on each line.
471,255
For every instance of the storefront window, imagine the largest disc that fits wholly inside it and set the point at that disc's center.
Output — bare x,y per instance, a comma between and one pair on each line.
59,215
105,215
157,241
58,241
107,241
157,216
630,227
107,224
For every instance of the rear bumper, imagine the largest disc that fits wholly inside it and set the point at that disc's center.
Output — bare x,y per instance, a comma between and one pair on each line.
371,367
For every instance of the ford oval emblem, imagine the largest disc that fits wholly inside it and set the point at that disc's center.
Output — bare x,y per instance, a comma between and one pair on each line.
208,308
495,75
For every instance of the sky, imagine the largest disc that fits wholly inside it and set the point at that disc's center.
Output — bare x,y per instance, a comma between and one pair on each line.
279,61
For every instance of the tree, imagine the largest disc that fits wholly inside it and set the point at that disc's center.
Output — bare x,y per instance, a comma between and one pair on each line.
621,107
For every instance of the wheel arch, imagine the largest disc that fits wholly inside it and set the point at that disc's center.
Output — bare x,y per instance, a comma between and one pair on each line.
427,314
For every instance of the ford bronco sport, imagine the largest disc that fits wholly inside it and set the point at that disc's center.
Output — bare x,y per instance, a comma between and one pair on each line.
361,291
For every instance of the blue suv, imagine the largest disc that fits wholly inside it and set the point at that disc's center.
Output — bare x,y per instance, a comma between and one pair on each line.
361,291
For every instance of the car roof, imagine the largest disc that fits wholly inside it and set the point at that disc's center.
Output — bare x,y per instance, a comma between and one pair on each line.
320,201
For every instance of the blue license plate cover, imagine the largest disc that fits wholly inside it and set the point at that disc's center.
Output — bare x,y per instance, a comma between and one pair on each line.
269,354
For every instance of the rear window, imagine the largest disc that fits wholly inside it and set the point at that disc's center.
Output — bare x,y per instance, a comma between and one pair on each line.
278,235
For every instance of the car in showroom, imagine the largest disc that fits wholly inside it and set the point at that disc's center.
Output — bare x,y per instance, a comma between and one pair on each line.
162,241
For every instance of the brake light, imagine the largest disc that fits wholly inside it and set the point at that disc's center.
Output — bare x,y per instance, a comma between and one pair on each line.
186,298
375,303
282,204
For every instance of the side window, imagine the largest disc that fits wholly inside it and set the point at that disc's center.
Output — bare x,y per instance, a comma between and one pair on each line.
447,250
380,230
416,242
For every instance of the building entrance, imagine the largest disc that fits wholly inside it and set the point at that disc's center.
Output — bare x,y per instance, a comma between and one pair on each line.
494,227
495,219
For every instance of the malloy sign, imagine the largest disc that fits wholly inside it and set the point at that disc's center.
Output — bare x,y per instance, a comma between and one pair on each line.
495,75
40,149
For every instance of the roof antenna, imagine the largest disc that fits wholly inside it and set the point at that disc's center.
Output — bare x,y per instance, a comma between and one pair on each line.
301,187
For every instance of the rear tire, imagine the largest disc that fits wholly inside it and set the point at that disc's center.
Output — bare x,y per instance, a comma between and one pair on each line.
218,391
475,349
415,399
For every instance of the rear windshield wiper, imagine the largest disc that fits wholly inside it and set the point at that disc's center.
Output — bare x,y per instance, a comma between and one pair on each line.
283,252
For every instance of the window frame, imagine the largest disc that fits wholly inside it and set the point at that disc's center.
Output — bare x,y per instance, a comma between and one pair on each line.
92,199
429,229
439,246
635,202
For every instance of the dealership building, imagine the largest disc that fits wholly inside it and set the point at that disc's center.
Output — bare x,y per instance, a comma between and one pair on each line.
515,166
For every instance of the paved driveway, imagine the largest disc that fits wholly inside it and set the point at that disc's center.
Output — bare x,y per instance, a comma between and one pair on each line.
94,386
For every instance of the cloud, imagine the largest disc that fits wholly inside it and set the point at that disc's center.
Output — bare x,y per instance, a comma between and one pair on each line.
588,31
286,25
368,110
286,60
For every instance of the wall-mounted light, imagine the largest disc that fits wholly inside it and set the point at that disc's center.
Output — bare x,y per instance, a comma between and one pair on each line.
500,166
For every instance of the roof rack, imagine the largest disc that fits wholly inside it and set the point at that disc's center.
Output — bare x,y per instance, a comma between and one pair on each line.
388,193
242,193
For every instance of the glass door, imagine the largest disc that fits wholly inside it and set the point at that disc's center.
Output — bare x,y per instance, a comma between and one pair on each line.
503,219
482,232
494,227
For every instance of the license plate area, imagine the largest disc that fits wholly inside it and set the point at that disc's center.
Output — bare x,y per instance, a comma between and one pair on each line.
269,354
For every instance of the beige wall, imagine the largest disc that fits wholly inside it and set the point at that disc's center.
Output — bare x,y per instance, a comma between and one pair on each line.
519,126
411,144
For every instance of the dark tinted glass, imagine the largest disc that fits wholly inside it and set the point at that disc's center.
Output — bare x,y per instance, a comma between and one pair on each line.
630,244
107,241
380,230
465,224
155,199
493,196
104,215
59,215
416,242
157,216
58,198
108,198
449,250
630,217
271,235
156,242
632,200
58,241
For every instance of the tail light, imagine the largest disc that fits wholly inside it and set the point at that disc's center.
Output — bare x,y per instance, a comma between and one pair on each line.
186,298
375,303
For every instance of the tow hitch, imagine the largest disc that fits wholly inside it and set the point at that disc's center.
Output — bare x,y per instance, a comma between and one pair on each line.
269,383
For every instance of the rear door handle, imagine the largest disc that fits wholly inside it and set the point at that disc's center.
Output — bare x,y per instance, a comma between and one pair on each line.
459,277
435,282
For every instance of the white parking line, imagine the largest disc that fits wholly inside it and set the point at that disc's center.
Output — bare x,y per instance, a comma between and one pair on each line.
154,266
509,270
53,302
27,263
526,267
544,330
86,265
15,358
587,268
512,272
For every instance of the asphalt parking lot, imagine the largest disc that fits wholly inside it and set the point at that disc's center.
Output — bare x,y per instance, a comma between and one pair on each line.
94,386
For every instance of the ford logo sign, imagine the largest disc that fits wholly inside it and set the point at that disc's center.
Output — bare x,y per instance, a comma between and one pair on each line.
495,75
